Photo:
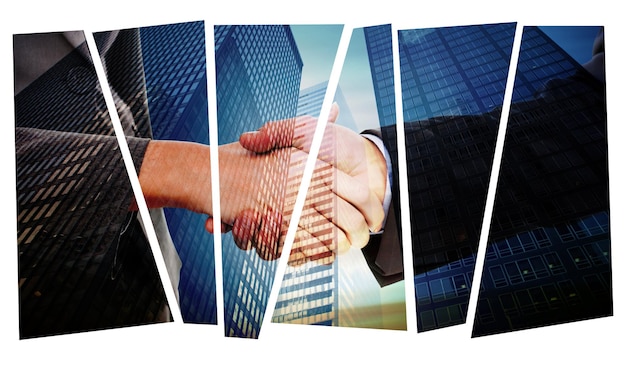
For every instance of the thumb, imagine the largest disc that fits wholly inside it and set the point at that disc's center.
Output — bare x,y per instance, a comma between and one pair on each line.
256,141
334,112
272,135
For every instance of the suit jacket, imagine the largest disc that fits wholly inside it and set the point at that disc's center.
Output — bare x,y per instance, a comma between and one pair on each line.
554,169
84,261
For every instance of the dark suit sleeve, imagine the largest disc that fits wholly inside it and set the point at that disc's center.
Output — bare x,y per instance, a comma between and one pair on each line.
82,171
383,253
554,168
436,189
83,258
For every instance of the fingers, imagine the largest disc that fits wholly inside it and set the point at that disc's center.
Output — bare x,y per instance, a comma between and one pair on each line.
272,135
335,222
355,191
208,225
334,113
308,247
328,217
244,229
297,132
328,226
358,193
260,231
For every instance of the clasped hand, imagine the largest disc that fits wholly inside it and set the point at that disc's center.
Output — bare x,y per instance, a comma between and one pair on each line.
344,202
259,181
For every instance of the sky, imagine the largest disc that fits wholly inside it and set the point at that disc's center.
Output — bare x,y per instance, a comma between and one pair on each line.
318,47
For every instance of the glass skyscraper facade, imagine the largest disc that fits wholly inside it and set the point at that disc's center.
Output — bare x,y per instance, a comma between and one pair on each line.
308,293
380,55
448,73
548,258
316,293
311,99
258,72
175,71
445,73
84,261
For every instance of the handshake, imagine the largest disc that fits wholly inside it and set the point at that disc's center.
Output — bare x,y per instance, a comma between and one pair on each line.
259,180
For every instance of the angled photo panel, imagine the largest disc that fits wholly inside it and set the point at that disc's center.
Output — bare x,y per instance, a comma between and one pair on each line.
261,71
176,80
328,280
85,262
453,83
548,258
171,59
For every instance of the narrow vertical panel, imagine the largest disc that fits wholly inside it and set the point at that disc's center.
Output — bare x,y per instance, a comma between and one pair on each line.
453,83
85,261
549,239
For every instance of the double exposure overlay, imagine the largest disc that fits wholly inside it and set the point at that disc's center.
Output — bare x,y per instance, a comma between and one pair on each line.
84,260
548,258
453,82
332,274
84,257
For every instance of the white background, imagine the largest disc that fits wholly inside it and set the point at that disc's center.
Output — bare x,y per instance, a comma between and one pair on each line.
598,341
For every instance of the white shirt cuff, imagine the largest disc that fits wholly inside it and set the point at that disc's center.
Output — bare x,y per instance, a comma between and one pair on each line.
381,146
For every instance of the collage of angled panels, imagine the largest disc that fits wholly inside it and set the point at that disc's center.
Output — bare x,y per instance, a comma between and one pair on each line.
85,262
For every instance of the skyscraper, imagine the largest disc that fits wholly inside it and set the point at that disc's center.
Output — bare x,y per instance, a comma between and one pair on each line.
84,261
446,73
258,72
548,258
316,293
380,54
311,99
308,293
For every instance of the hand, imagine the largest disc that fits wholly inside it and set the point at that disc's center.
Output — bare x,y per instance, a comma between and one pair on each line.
178,174
332,221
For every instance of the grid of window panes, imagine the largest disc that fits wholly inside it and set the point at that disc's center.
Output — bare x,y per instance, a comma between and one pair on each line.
307,296
548,257
258,71
449,75
311,99
543,59
380,54
454,71
302,300
308,292
69,280
175,71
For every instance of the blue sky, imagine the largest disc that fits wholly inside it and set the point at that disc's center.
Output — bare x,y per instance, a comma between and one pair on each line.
318,48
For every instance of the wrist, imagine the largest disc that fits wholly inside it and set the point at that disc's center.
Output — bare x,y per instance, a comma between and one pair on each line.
177,174
377,168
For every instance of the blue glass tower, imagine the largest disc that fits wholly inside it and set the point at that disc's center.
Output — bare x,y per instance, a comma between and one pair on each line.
258,72
548,258
310,294
311,99
380,54
445,73
175,72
